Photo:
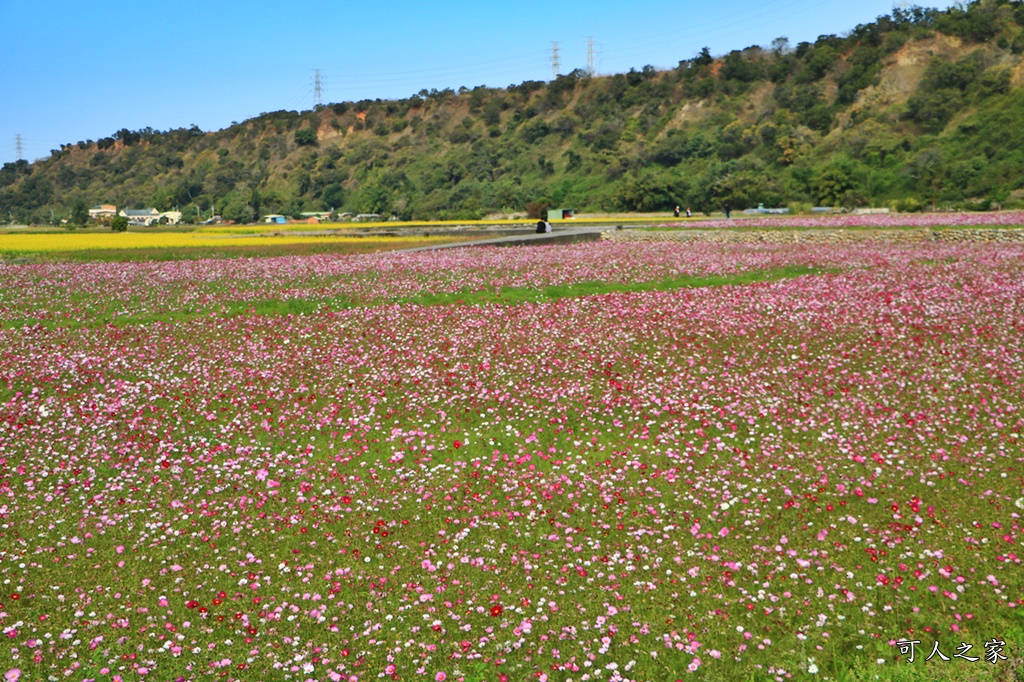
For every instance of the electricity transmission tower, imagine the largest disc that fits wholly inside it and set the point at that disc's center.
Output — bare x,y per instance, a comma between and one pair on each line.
19,151
590,55
554,58
318,88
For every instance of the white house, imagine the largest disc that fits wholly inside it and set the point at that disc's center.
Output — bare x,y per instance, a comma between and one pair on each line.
102,211
148,216
144,216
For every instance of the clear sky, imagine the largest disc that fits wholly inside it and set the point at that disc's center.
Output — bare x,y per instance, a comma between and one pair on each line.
73,70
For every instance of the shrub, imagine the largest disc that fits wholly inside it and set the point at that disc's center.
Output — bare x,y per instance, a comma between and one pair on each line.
907,205
537,209
119,224
305,136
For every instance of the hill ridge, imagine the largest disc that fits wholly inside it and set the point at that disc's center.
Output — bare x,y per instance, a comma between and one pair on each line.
919,108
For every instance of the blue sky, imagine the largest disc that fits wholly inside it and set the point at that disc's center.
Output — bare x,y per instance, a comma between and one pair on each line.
73,70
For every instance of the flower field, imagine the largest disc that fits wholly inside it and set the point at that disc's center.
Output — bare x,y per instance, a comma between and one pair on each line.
886,220
306,468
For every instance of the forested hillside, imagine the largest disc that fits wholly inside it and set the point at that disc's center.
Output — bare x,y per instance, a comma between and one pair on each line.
918,109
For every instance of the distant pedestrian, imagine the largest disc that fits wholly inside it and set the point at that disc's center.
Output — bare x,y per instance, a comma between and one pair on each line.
728,211
676,212
688,214
543,227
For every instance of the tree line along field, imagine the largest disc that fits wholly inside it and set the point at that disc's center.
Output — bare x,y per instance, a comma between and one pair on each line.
408,470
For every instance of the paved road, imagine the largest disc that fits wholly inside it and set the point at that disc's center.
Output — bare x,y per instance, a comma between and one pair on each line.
567,235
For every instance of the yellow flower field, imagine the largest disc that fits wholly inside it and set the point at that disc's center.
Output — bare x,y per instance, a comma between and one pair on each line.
356,227
352,227
73,241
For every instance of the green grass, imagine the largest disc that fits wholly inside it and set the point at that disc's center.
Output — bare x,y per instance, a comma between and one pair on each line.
506,296
512,296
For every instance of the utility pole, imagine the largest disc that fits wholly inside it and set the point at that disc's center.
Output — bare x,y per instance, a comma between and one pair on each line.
554,58
19,152
318,88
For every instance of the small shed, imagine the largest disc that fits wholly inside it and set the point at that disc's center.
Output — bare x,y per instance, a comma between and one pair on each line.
275,219
561,213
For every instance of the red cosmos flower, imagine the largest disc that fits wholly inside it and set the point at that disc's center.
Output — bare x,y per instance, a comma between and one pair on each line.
496,610
191,604
457,444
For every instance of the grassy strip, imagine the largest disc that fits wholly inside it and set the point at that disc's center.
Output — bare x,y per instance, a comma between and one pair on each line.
507,296
513,296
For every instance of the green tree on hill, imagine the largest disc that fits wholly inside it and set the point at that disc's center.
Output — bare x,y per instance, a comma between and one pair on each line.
79,214
305,136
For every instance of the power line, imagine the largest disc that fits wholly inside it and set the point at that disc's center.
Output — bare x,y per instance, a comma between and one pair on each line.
719,27
685,37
